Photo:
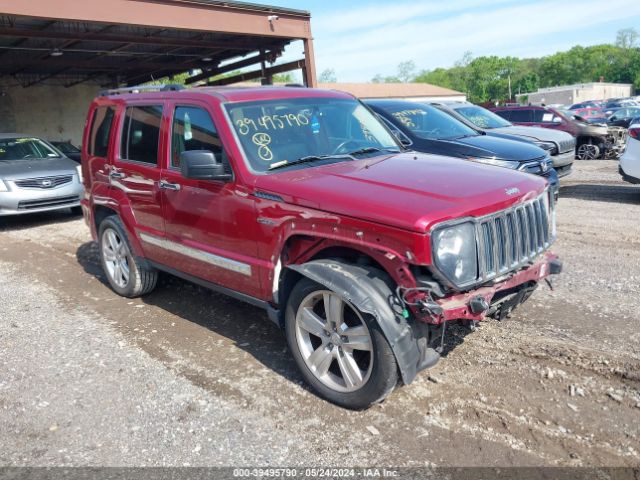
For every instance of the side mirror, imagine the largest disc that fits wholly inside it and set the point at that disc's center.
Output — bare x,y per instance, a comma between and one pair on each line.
556,119
202,165
613,118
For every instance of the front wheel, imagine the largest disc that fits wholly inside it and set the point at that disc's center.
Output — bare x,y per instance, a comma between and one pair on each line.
341,352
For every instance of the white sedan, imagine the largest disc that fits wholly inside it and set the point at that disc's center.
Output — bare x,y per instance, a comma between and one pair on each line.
630,159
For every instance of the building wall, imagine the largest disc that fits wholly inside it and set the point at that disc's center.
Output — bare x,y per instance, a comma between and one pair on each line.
52,112
579,93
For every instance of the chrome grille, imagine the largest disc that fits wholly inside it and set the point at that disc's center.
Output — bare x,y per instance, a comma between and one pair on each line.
48,202
567,145
44,182
511,238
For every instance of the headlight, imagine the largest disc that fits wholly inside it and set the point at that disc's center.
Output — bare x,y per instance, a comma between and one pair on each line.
454,253
493,161
548,147
3,187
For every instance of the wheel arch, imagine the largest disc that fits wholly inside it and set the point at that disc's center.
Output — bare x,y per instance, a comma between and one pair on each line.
103,210
363,287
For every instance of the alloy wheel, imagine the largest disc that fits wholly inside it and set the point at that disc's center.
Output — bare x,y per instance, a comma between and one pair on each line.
588,151
334,341
115,254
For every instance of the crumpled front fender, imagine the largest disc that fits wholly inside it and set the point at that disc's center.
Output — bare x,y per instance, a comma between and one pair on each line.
369,293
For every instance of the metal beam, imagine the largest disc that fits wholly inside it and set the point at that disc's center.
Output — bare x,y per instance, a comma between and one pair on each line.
285,67
205,16
140,40
231,67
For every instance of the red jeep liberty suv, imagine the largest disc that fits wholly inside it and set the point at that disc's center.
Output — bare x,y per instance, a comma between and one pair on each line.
302,202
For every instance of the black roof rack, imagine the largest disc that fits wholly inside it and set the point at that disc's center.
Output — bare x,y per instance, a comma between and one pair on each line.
171,87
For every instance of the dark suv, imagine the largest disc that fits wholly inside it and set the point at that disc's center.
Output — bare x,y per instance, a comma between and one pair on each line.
302,202
592,140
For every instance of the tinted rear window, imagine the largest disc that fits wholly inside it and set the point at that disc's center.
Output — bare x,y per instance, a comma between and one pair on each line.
520,116
100,131
141,134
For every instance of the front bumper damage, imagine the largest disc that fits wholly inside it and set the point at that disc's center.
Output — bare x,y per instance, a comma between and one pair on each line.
498,299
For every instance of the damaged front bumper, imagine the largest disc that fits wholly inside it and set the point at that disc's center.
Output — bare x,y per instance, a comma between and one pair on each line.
499,299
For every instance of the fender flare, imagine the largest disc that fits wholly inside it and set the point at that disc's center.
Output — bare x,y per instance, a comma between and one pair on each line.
372,295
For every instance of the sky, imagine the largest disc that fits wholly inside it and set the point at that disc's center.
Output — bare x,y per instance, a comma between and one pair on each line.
359,38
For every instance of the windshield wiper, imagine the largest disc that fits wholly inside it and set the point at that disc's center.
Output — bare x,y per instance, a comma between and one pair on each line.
365,150
308,159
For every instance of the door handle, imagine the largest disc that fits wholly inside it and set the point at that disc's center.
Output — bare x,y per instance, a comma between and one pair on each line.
116,174
163,184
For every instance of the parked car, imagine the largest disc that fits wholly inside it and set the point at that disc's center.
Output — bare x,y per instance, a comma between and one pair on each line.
302,202
592,140
630,160
623,117
590,115
587,104
560,145
614,104
35,177
427,129
68,148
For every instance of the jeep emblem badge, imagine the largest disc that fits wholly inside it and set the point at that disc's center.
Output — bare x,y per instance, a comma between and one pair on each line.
512,190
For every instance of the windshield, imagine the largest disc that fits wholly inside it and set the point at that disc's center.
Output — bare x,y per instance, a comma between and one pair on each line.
427,122
482,118
22,148
274,133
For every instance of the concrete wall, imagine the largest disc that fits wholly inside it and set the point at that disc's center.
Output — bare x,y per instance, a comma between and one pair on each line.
52,112
579,93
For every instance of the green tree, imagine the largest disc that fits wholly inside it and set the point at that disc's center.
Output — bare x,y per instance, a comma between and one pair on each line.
406,71
283,78
627,38
328,75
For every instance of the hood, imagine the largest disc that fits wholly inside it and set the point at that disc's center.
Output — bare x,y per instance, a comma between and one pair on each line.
409,190
535,133
585,128
500,148
32,168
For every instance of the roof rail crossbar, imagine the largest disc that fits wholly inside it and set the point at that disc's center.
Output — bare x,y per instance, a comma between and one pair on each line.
172,87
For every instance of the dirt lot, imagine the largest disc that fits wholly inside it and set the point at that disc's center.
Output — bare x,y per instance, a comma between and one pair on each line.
186,376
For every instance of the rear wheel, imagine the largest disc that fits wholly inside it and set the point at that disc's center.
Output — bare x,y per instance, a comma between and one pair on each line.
341,351
127,275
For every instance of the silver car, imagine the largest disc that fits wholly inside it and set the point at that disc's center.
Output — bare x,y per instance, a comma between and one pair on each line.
35,177
560,145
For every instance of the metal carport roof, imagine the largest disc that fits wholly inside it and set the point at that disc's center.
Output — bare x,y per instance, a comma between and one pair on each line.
128,42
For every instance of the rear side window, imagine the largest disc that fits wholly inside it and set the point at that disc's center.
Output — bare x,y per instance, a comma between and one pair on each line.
141,134
506,114
520,116
100,131
193,129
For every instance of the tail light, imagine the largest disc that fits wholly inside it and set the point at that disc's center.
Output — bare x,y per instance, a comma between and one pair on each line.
635,133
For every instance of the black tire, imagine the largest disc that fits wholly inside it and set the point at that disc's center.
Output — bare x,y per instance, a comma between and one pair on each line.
142,279
383,375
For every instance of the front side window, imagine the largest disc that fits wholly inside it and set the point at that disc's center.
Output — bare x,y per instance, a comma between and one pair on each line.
141,134
274,133
25,148
427,122
482,117
193,129
100,131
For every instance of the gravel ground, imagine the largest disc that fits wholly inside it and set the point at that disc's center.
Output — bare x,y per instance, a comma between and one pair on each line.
187,376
